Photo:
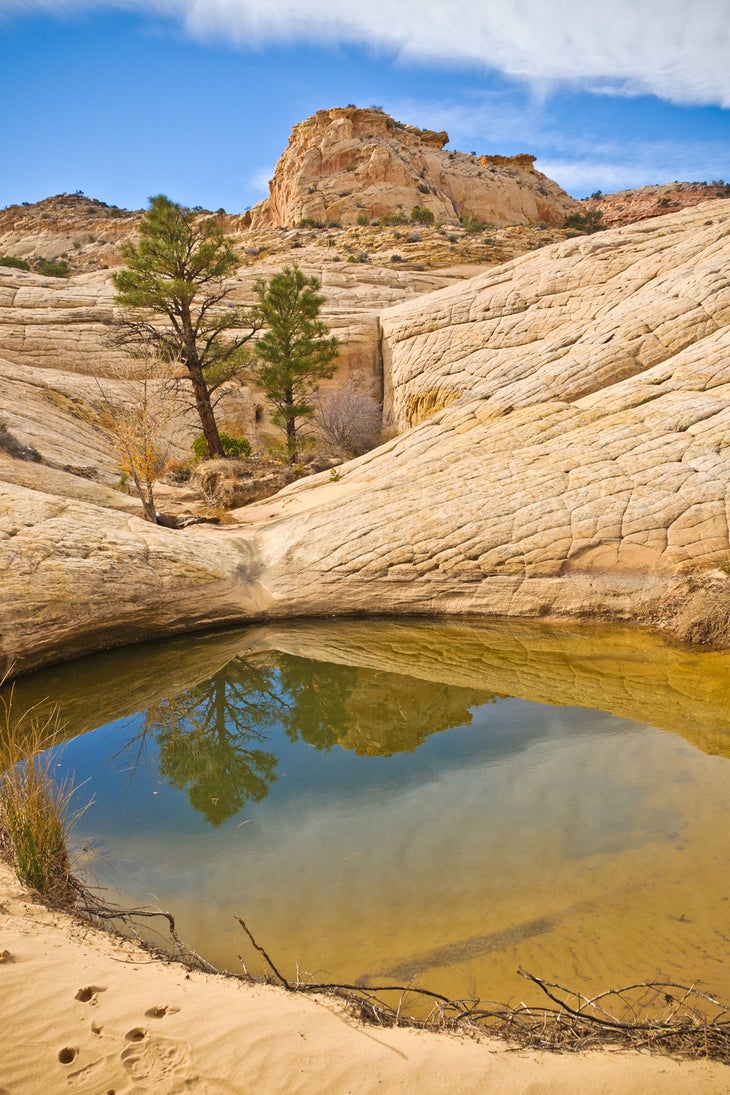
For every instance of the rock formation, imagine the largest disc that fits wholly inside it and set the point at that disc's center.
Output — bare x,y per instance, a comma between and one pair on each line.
569,454
626,206
345,164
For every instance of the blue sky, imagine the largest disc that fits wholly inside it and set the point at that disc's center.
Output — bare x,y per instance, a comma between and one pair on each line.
124,99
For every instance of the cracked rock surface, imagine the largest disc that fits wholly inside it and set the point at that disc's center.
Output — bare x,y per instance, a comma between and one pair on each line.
565,451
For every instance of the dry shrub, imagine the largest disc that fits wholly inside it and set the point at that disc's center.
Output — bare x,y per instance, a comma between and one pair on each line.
228,484
698,611
347,422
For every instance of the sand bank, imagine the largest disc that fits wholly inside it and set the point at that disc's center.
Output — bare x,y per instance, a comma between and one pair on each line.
84,1011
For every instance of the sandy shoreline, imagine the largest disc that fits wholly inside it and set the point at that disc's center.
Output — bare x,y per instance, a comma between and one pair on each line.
84,1011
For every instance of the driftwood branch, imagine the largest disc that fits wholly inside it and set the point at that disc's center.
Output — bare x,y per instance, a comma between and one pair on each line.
658,1015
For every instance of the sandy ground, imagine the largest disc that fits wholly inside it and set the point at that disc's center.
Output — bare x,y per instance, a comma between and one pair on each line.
86,1012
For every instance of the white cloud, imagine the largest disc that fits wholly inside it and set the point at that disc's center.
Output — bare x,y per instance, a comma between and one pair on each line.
671,48
259,180
632,166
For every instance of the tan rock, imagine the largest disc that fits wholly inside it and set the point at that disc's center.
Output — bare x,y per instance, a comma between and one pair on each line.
580,468
346,163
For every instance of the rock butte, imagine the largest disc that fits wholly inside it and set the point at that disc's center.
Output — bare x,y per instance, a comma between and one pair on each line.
347,163
565,451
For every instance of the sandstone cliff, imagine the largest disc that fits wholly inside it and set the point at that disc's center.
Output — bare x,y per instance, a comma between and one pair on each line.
577,463
345,163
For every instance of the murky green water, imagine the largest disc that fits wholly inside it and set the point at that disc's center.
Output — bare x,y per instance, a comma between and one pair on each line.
406,800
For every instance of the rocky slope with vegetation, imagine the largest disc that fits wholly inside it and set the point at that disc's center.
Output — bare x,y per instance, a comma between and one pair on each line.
563,450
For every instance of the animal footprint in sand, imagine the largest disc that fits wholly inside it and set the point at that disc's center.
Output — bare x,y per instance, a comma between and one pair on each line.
89,993
155,1059
160,1010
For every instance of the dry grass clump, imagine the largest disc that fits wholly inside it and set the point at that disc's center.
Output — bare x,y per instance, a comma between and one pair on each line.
35,807
231,483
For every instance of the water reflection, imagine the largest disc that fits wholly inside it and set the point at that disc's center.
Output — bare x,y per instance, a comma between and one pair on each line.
209,739
443,801
617,669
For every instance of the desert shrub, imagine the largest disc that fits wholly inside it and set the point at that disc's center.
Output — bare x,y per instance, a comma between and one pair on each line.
471,224
226,484
587,222
394,218
176,471
16,263
362,219
421,216
52,268
237,448
347,421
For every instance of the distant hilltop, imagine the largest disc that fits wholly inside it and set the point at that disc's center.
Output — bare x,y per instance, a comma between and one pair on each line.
349,166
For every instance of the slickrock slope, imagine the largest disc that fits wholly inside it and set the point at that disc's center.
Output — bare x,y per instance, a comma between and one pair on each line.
346,163
580,468
594,311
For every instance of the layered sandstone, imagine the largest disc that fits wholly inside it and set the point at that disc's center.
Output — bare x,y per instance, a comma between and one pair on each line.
626,206
578,466
346,163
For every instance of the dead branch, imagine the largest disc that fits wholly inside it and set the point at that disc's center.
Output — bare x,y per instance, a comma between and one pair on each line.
661,1016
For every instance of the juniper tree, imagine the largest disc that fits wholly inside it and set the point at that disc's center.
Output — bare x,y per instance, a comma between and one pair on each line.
176,284
295,352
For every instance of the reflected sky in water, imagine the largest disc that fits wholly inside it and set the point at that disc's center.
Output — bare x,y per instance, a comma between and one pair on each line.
368,821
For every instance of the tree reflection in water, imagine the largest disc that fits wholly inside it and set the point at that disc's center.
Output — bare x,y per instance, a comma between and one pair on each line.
208,737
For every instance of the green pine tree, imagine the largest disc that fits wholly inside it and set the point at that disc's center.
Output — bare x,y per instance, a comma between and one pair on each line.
175,283
295,352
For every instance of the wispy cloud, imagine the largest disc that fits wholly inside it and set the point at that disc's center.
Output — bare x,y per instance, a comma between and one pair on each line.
259,180
582,176
672,49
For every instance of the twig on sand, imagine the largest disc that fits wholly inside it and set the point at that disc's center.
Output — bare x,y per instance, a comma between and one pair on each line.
661,1016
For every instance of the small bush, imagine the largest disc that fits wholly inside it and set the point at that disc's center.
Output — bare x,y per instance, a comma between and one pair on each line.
421,216
347,421
587,222
52,268
394,218
362,219
471,224
11,260
237,448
